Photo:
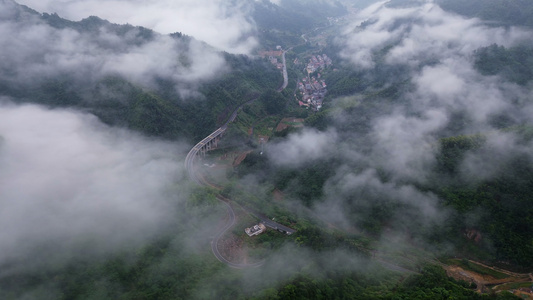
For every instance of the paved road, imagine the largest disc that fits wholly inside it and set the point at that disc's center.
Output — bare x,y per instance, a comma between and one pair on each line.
285,74
190,166
270,223
192,155
214,242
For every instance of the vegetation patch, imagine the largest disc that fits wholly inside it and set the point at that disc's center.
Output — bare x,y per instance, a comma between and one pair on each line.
513,286
474,267
289,122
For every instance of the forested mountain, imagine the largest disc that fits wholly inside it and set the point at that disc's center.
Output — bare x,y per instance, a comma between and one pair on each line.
412,180
283,22
294,15
408,110
511,12
514,64
182,87
269,16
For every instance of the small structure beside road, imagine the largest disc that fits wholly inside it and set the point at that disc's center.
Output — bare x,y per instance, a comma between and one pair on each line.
255,230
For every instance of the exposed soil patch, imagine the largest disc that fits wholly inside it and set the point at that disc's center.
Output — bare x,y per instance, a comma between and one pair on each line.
459,273
278,195
289,122
524,293
484,282
238,159
231,247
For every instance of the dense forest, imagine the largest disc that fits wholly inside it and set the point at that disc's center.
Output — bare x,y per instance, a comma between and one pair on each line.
284,24
499,203
512,12
157,109
514,64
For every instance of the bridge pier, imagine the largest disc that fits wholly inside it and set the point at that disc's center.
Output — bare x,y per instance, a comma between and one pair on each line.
210,144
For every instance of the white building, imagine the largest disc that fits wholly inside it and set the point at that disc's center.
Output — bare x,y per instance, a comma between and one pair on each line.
255,230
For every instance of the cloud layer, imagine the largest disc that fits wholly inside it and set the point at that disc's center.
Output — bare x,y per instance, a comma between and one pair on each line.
66,178
436,48
302,148
384,164
418,34
223,24
33,52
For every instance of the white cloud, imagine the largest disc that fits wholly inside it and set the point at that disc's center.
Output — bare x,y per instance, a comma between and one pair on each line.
454,86
302,147
65,177
418,33
350,196
436,49
403,144
34,51
223,24
497,154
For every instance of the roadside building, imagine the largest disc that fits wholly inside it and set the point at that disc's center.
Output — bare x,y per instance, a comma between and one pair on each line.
255,230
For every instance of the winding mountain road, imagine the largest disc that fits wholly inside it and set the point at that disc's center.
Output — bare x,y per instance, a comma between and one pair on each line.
285,74
216,239
190,166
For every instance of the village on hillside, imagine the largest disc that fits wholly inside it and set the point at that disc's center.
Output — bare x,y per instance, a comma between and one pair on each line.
313,89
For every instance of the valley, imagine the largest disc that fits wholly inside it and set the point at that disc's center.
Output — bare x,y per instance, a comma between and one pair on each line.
281,150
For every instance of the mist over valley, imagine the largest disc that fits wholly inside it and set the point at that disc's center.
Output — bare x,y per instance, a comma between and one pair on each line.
381,149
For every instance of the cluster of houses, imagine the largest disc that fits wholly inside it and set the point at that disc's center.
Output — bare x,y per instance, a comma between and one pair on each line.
318,62
313,91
